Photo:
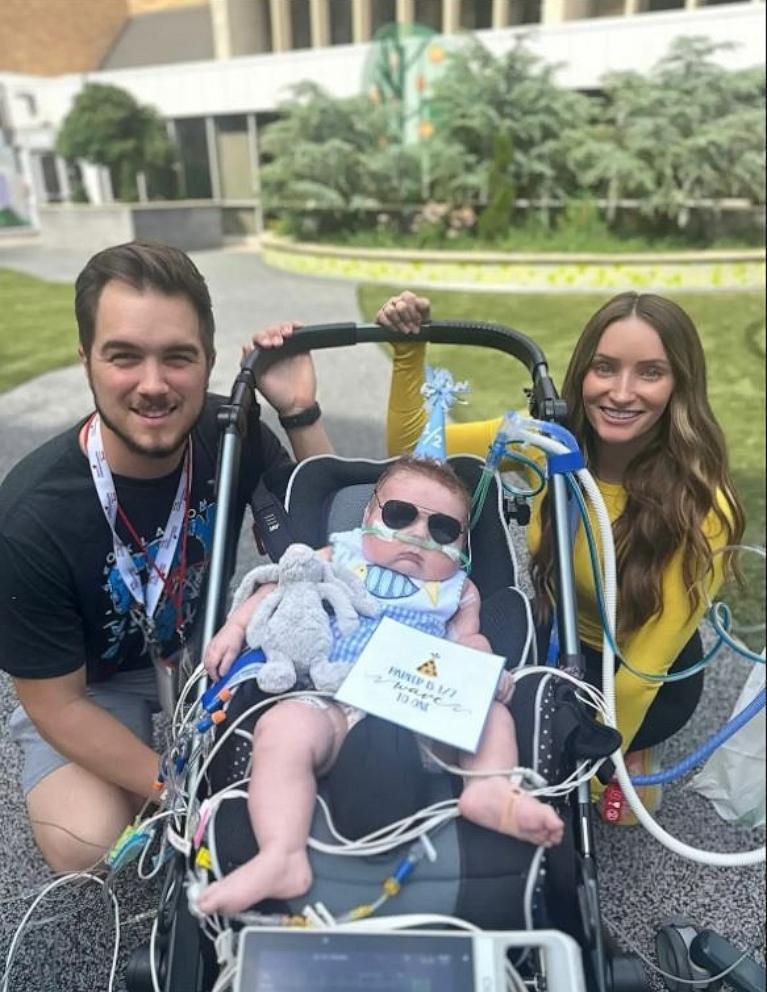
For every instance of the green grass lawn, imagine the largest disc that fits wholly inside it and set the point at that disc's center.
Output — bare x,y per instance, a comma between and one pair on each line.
732,327
37,327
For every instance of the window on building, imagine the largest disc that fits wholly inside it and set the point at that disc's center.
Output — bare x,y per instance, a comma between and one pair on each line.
50,174
429,13
476,15
300,24
382,12
192,143
235,168
651,6
525,12
596,8
262,40
340,23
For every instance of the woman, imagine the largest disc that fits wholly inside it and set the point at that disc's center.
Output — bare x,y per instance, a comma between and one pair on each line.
636,394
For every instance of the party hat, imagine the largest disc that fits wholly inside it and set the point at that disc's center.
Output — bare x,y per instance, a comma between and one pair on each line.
440,392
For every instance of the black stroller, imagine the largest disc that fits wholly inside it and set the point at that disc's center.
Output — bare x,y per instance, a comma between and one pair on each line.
489,879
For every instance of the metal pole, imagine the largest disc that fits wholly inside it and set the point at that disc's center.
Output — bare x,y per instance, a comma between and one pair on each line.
569,641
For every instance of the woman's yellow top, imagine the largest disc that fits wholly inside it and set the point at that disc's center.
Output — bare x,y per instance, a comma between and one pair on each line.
654,646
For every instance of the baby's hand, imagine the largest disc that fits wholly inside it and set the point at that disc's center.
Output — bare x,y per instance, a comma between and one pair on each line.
405,312
223,649
505,687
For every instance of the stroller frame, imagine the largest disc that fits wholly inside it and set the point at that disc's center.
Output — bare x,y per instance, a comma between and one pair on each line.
185,965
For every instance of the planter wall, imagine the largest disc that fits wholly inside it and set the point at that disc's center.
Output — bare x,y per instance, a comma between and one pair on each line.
494,271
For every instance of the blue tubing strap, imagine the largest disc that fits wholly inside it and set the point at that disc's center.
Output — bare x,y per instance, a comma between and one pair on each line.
703,752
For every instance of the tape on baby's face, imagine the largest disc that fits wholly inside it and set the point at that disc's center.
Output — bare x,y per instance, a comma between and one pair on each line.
387,534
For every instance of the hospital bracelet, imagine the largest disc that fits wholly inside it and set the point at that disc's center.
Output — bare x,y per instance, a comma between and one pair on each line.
304,418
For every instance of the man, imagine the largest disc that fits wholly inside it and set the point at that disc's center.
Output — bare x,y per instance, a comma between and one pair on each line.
105,536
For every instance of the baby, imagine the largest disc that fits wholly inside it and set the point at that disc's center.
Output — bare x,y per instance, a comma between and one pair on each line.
409,550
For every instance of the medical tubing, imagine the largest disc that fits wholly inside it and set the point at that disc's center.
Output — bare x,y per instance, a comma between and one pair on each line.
594,496
719,737
723,633
647,676
698,855
724,734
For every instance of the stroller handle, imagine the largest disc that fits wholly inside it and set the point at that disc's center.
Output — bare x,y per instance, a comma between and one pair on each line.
545,402
315,336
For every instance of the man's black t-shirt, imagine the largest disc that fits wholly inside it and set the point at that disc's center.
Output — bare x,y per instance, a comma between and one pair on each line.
62,600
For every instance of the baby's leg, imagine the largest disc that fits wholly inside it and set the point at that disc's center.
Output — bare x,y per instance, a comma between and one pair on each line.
293,742
492,801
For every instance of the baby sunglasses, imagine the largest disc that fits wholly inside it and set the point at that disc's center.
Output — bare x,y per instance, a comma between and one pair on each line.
398,514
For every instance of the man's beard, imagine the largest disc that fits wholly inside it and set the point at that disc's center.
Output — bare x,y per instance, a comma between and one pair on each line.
137,449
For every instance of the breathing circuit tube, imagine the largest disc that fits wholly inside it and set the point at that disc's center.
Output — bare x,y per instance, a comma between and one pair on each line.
721,627
515,428
724,734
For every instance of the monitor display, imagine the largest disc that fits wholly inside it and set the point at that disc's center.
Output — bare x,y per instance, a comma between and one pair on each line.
343,962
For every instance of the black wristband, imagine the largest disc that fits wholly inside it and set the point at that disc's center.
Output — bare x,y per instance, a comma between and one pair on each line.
304,418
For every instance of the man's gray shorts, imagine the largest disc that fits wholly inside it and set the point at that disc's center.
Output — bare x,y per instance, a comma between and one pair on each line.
131,697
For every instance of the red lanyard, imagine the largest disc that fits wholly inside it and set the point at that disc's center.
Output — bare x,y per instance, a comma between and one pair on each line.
174,595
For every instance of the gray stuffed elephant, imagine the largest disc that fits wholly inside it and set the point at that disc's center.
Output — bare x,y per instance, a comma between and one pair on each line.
291,625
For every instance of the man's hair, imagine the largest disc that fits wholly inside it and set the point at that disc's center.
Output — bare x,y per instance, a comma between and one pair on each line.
438,471
142,265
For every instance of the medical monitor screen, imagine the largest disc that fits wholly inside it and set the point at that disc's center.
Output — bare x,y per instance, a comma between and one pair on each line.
355,962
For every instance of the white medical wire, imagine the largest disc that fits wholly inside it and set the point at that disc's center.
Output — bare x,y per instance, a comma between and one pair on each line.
514,981
197,673
225,978
391,829
410,921
65,879
152,955
386,844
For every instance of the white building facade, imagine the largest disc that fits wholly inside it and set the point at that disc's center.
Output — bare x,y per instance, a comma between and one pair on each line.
214,108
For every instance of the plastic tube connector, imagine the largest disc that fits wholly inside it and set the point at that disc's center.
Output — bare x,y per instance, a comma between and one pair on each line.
209,721
404,870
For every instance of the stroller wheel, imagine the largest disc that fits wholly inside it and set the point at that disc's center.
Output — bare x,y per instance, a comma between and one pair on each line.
138,972
672,947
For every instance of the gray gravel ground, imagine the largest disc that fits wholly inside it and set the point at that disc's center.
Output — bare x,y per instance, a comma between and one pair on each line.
70,946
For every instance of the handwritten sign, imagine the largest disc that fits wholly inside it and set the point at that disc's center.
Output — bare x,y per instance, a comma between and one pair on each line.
435,687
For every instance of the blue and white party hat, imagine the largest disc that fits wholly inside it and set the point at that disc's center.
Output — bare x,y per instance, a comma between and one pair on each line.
440,392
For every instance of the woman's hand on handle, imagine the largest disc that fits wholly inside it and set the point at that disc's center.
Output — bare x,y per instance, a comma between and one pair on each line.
405,312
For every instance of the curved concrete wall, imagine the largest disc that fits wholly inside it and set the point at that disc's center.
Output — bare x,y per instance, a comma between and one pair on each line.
493,271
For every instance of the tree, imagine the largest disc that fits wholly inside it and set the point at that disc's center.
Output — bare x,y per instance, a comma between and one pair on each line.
335,155
689,131
496,217
482,95
108,127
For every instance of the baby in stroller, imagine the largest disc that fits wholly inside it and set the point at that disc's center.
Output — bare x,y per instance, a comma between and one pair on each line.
411,544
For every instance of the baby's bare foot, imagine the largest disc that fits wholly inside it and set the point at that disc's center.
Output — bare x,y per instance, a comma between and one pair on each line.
271,874
496,804
527,818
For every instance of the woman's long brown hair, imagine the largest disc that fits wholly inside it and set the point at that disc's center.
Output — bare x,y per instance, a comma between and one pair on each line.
672,485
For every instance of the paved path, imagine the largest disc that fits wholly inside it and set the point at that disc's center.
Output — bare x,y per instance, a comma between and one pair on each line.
641,882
